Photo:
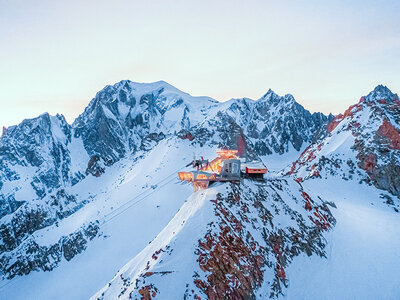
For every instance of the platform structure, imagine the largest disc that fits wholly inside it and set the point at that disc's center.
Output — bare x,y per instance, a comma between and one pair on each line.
226,167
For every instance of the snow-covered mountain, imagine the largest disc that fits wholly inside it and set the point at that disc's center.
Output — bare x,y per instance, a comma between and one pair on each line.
83,201
129,116
276,124
363,145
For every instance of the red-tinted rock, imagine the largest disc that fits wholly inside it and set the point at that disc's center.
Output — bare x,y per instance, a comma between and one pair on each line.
234,268
187,136
369,163
280,271
305,196
310,156
321,220
292,169
389,131
155,254
348,113
147,292
241,144
316,174
335,122
351,110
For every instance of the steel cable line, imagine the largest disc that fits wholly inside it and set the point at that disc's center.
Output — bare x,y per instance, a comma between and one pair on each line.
136,202
121,212
141,194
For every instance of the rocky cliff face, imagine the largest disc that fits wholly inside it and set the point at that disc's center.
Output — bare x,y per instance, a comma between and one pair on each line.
124,117
34,155
271,124
39,158
276,124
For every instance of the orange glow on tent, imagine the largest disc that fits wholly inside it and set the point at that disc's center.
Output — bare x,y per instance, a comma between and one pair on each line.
215,164
186,176
201,176
202,180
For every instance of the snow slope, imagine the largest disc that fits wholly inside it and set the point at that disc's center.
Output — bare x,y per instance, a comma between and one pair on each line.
363,260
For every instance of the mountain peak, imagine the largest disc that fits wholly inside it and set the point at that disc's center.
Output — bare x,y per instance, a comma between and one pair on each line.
269,94
156,84
381,92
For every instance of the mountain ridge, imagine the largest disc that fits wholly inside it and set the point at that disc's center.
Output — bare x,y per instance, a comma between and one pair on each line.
363,142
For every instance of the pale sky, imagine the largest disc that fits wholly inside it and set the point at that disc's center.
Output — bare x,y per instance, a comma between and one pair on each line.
55,55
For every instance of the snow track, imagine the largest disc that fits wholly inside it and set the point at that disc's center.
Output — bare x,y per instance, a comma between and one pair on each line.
157,247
